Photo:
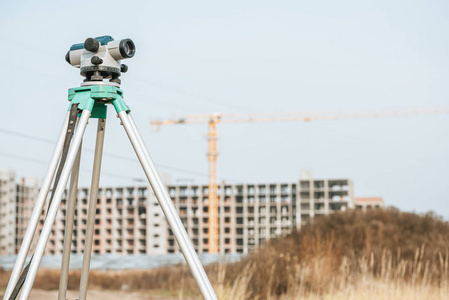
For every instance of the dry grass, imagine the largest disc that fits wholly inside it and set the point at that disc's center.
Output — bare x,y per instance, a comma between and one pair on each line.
341,250
376,255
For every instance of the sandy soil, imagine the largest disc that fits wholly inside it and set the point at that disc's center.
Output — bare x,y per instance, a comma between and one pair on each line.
99,294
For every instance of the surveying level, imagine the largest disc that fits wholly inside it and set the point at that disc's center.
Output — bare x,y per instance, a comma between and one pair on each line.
99,60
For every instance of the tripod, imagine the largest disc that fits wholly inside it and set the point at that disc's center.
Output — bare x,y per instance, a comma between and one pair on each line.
90,101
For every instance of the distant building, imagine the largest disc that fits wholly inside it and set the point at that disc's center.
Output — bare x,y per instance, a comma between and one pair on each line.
129,219
16,206
365,203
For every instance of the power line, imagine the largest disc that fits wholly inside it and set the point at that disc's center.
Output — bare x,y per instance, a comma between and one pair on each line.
27,136
112,155
126,158
38,161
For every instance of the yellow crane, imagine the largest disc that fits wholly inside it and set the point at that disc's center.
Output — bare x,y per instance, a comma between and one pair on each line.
214,119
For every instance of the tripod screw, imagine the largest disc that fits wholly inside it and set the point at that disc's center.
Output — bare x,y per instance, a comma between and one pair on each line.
96,60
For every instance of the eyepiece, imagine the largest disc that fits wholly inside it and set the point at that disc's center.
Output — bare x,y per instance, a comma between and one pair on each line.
67,57
91,45
127,48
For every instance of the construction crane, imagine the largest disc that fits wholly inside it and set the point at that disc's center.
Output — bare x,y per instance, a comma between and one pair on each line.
214,119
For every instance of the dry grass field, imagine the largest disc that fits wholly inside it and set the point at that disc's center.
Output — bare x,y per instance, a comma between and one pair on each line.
382,254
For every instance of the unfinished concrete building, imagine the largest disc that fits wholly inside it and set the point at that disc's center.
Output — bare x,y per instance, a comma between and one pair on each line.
251,214
16,206
129,220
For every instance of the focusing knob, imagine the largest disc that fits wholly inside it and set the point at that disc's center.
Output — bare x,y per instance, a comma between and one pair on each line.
123,68
96,60
91,45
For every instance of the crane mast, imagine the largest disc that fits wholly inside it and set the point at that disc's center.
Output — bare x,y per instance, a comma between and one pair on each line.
213,186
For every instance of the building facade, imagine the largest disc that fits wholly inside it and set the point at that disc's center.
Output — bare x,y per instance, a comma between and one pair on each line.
129,220
16,206
366,203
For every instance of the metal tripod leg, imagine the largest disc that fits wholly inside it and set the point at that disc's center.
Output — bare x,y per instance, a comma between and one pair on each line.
168,208
40,201
71,207
51,215
92,209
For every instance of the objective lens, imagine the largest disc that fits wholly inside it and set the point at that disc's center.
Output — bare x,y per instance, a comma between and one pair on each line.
127,48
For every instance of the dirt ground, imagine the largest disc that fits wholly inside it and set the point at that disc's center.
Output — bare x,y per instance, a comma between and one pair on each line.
99,294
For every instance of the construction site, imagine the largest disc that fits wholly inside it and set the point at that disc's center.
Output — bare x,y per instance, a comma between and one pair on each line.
239,150
218,218
129,219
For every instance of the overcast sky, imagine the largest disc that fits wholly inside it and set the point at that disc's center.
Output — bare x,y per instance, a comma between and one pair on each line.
196,57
